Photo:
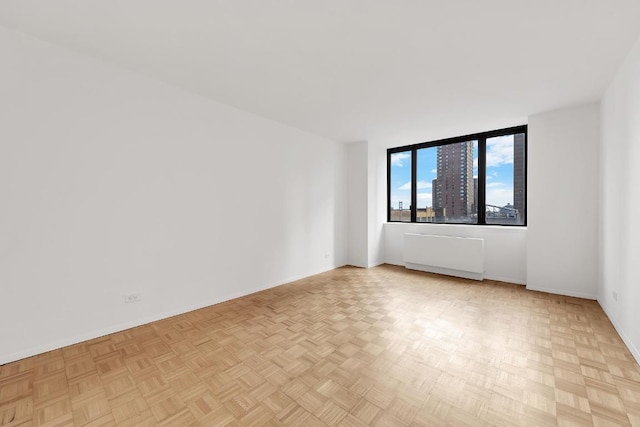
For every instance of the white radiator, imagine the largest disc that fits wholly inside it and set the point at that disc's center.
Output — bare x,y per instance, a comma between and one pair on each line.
454,256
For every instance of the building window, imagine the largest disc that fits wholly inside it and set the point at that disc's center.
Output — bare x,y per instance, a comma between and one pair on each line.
475,179
400,180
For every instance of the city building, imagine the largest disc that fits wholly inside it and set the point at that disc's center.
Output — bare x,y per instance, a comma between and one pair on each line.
427,214
453,189
519,174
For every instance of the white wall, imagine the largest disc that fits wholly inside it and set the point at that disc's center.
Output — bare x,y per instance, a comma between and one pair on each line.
377,190
620,202
504,247
562,195
112,183
358,204
367,175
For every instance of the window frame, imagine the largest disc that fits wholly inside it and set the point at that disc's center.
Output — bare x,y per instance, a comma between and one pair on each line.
481,137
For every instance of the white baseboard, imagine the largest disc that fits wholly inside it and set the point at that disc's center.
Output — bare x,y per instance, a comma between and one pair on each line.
625,338
445,271
505,279
584,295
486,276
56,344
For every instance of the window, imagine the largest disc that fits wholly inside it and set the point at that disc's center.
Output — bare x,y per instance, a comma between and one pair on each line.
400,181
504,180
444,183
475,179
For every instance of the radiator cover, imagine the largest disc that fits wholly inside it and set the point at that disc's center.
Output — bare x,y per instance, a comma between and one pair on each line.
453,256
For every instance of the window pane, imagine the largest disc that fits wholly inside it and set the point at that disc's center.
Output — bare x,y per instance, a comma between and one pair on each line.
505,195
447,183
400,209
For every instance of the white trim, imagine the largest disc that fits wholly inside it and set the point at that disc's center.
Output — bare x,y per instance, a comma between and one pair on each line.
399,263
632,348
445,271
486,277
8,358
505,279
563,292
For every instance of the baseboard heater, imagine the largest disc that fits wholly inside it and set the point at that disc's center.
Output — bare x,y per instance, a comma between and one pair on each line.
453,256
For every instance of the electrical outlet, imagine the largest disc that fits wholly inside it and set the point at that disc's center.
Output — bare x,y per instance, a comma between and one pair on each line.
128,299
615,296
326,256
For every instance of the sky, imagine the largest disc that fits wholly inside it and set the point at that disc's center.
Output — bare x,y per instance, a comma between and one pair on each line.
499,191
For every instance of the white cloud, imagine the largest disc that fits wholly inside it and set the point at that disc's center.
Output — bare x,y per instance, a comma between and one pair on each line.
397,159
500,151
499,196
424,199
499,193
434,170
421,185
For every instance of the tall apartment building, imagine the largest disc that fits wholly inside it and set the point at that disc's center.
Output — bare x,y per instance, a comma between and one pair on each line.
453,188
518,174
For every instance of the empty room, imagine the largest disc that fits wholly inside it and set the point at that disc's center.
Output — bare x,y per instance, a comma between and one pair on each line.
301,213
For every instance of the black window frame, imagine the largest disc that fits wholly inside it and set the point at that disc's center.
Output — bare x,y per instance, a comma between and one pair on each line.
481,137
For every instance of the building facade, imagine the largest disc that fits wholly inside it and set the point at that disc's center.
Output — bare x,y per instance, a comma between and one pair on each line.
519,174
453,189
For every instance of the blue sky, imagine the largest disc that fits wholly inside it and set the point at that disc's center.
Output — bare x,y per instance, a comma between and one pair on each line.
499,174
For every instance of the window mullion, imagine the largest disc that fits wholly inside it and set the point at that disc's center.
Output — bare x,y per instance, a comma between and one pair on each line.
388,185
482,177
414,184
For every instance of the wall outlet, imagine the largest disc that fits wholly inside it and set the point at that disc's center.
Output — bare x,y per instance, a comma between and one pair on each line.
615,296
326,256
128,299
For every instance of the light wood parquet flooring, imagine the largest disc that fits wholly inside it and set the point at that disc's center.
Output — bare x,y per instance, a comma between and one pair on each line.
352,347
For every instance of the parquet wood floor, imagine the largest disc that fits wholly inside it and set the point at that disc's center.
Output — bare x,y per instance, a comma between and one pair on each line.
352,347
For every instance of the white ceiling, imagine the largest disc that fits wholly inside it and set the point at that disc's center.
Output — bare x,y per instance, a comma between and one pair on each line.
396,71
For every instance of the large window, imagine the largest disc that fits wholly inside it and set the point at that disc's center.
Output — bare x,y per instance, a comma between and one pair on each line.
400,180
474,179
